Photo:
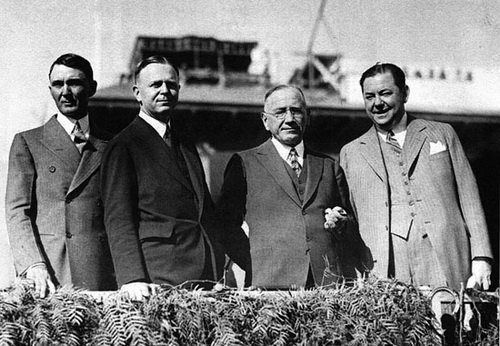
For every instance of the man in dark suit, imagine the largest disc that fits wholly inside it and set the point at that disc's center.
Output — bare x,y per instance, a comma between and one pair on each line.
158,212
53,206
414,193
281,189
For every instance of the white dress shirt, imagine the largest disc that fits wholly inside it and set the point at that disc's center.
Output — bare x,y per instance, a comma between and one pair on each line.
399,131
284,151
68,124
158,125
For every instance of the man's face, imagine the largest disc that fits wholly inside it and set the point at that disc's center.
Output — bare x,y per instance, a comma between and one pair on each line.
384,101
157,90
71,90
291,128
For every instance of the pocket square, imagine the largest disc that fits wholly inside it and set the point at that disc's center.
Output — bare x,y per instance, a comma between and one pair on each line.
436,147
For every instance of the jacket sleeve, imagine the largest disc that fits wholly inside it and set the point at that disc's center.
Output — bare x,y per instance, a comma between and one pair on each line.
355,249
121,215
20,206
468,194
231,209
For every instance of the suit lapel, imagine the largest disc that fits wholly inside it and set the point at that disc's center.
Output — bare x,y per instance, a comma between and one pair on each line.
369,147
415,139
195,173
269,157
57,140
155,148
89,163
314,172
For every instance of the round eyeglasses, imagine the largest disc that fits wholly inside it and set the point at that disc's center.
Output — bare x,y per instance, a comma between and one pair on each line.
281,113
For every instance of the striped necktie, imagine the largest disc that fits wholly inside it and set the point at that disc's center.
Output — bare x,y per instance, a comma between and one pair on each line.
294,161
79,137
391,139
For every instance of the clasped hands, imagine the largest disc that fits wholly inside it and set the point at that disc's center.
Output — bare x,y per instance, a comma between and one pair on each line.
335,219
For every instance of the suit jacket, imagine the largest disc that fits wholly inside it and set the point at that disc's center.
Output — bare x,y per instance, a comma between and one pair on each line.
446,196
286,234
54,210
158,222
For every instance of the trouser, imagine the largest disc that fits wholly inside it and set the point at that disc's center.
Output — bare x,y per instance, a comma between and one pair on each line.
413,260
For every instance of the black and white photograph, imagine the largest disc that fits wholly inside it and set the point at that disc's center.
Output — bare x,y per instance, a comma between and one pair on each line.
213,172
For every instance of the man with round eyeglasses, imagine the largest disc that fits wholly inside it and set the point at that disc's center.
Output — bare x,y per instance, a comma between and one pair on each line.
281,189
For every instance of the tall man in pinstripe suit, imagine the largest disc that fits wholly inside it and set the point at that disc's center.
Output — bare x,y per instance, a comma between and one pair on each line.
414,193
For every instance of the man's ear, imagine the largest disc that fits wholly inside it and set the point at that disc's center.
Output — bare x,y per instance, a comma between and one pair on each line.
263,116
93,88
407,92
137,94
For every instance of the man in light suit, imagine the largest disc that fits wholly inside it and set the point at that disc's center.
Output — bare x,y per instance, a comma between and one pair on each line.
414,193
53,205
281,189
159,215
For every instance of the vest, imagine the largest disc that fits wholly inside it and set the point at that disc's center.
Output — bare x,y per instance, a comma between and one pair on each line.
401,196
298,182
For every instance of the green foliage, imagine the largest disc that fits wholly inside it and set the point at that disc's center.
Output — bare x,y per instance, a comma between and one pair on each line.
378,312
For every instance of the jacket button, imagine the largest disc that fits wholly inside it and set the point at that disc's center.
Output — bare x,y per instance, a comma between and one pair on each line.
52,169
69,235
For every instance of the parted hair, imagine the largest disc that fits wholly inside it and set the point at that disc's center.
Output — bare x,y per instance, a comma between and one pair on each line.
74,61
285,86
154,59
380,68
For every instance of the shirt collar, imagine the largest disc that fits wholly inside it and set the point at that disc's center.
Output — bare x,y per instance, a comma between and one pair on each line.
159,126
284,150
399,131
68,123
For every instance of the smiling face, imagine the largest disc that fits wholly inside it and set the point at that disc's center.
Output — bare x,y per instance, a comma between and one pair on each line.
384,100
157,90
291,128
71,90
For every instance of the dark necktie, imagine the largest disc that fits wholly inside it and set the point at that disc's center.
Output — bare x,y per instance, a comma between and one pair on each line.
167,138
79,137
391,139
294,161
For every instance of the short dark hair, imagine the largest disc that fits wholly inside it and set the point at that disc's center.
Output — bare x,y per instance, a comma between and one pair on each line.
154,59
379,68
74,61
285,86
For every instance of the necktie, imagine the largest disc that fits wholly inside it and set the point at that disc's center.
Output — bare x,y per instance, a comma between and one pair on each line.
294,162
166,137
391,139
79,137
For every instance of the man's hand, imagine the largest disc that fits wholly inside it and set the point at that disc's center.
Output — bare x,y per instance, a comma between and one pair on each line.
335,218
41,278
139,290
481,273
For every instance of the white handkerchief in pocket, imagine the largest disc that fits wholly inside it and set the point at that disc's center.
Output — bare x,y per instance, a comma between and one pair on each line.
436,147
